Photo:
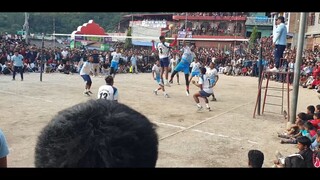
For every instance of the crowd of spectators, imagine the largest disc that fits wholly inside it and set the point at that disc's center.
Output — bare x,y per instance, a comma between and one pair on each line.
242,62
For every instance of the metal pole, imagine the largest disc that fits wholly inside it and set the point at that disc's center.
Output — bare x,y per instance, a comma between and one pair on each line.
42,57
260,77
54,32
26,26
297,64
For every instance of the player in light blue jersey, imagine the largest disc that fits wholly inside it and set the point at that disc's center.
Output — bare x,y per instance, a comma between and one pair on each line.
186,59
115,62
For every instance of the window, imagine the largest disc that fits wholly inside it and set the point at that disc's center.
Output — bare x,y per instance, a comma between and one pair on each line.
312,19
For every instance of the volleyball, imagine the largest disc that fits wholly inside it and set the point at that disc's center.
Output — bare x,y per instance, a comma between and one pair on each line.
171,26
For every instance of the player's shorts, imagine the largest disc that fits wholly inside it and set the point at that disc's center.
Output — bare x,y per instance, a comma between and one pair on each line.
159,81
195,74
183,66
114,65
212,81
204,94
164,62
86,78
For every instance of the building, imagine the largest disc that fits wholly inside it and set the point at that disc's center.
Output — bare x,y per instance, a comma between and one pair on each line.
312,34
223,30
262,21
146,27
312,31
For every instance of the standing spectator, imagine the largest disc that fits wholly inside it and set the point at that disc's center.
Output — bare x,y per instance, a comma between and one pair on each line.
17,60
4,151
95,63
98,133
279,41
256,158
133,61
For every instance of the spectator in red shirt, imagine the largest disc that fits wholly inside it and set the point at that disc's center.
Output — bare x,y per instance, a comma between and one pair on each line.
316,120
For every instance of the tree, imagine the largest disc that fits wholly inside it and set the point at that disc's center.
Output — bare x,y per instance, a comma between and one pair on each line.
253,37
128,42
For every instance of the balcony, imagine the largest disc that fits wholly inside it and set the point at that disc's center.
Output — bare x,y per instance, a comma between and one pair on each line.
259,21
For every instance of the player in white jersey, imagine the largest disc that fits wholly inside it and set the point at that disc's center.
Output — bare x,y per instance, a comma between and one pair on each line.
205,89
108,91
85,74
163,51
173,63
195,71
156,70
115,61
213,75
184,64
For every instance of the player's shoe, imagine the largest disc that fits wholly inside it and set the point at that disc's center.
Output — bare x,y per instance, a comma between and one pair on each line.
90,92
187,92
155,92
213,99
200,108
86,93
209,109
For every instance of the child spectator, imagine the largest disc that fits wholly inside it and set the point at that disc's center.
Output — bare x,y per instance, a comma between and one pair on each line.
310,112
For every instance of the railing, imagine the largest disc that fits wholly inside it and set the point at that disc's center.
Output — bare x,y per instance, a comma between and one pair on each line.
210,18
259,21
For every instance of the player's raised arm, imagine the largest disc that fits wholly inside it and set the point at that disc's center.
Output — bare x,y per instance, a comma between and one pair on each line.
174,43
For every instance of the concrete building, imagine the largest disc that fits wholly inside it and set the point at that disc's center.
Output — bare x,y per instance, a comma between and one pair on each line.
262,20
312,35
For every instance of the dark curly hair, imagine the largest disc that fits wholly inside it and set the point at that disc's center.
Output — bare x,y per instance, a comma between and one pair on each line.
98,133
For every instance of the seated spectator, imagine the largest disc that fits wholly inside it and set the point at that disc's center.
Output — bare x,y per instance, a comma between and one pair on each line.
310,112
61,68
312,131
98,133
256,159
315,84
317,108
316,120
4,150
294,129
316,143
302,159
292,139
6,68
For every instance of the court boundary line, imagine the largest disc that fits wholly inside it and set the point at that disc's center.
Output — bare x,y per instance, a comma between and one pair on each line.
203,121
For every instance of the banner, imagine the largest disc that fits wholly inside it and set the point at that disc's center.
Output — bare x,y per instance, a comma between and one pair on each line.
182,34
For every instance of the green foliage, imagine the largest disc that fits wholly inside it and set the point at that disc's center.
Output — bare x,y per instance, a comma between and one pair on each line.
64,23
253,37
128,42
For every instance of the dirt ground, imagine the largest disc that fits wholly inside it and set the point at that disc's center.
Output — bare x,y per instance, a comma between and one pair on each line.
220,138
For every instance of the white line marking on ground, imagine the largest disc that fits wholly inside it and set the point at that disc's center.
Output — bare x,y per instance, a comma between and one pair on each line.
170,125
31,97
201,122
200,131
253,142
